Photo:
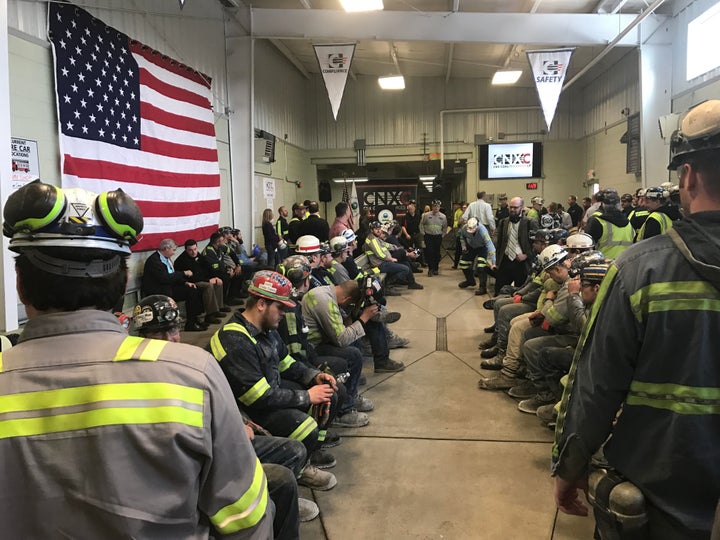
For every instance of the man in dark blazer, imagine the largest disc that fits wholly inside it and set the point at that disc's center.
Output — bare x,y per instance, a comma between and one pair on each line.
314,225
160,277
514,249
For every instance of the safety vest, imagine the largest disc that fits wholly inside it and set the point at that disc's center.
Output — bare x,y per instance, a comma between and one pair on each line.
637,218
664,221
614,239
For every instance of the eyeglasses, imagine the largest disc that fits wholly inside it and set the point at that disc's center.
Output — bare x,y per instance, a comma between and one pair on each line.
516,207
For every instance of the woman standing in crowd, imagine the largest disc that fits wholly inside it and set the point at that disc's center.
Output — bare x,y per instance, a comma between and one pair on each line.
271,237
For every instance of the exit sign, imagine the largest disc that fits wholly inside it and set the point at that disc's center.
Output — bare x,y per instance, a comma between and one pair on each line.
531,185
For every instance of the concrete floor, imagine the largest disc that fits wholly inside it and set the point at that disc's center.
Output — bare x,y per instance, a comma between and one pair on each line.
440,458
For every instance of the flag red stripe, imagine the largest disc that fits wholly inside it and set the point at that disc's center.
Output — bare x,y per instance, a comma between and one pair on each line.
151,112
167,63
152,241
173,92
176,150
89,168
152,209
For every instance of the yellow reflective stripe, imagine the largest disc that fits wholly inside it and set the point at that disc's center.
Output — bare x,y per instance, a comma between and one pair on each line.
286,362
128,350
336,318
1,363
304,429
128,347
675,296
291,323
96,399
218,351
677,398
248,510
294,347
252,395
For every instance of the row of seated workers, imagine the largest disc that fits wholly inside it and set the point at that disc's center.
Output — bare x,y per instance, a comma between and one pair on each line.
293,353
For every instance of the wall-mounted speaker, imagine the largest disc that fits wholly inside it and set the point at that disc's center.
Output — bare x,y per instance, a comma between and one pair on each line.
324,192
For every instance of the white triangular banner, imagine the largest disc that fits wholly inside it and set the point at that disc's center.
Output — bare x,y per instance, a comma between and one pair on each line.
549,68
334,62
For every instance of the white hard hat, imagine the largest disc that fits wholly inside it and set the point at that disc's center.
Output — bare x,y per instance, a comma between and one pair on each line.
308,244
551,256
580,240
472,224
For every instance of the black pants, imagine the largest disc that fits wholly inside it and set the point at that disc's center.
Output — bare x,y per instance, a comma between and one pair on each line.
283,491
510,272
432,250
193,301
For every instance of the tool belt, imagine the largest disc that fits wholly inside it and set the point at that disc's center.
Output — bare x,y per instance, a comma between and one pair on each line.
619,507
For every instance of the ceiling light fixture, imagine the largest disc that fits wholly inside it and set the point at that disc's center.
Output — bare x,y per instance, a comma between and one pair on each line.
352,6
343,180
393,82
506,77
427,178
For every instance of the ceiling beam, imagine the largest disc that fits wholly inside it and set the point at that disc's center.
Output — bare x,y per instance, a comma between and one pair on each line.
530,28
451,50
280,46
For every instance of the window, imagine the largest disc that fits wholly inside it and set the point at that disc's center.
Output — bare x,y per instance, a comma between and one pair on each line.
703,39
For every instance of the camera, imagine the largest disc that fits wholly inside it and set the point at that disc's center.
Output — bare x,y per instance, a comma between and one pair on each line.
370,288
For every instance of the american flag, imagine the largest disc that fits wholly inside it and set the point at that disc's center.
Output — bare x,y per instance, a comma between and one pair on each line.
345,195
133,118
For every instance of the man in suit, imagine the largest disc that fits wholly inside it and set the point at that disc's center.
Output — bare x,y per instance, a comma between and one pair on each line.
314,225
514,250
160,277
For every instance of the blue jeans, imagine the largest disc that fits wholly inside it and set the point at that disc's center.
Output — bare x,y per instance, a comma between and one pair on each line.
505,314
377,337
281,451
396,271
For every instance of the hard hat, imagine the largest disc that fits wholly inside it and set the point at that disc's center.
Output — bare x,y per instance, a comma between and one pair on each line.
338,244
41,215
272,286
699,130
551,236
656,193
375,224
551,256
325,248
308,245
580,241
537,200
608,196
156,313
436,202
349,235
640,192
388,226
296,268
594,273
626,197
472,224
546,221
584,259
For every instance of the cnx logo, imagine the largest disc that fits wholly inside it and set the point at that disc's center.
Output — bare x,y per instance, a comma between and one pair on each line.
336,60
517,158
551,67
385,198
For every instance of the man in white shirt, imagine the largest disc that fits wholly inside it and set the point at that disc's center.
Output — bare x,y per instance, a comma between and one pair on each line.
481,211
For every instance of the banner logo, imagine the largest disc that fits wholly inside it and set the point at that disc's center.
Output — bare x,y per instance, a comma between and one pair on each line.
549,69
334,62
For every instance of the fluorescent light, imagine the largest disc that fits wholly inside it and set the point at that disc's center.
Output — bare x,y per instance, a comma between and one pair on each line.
424,178
394,82
361,5
506,77
343,180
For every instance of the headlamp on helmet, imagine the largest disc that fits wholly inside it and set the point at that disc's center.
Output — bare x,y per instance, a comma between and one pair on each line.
657,193
41,215
699,131
585,259
608,196
296,268
472,224
338,244
551,256
156,313
436,202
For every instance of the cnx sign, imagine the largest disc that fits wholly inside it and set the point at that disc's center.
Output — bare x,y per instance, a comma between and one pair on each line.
516,158
385,197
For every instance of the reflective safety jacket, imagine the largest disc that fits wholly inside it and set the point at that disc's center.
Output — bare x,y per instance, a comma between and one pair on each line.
659,222
611,231
338,273
109,436
637,217
254,362
433,224
651,347
478,239
324,319
377,249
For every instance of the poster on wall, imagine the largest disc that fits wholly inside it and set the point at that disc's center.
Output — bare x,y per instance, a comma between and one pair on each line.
268,188
25,163
386,202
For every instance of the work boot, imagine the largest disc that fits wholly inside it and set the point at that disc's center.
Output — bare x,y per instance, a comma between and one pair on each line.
547,413
498,382
465,284
351,419
525,390
489,304
389,366
488,343
490,329
314,478
534,403
331,440
481,291
362,381
322,459
307,509
416,286
494,363
397,342
489,353
385,316
363,404
389,291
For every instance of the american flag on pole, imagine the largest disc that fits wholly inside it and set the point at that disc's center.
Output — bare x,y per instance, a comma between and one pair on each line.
132,118
345,195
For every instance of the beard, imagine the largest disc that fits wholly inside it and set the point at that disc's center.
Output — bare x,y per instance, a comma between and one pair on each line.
514,219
